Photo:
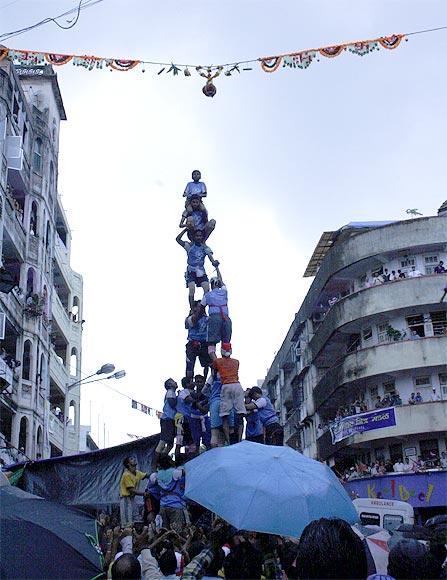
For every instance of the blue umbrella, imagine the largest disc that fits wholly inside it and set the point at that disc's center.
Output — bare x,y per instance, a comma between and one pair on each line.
265,488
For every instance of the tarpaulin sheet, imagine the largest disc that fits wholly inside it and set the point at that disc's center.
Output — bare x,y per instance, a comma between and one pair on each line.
89,479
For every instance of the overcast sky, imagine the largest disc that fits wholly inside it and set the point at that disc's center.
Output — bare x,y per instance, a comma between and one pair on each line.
285,156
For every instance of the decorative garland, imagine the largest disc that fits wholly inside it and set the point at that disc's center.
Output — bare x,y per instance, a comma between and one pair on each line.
301,59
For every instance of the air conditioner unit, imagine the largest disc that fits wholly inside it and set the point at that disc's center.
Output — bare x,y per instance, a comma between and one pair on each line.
14,152
318,316
2,325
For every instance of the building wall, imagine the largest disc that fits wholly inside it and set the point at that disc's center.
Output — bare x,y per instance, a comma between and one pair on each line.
339,347
40,328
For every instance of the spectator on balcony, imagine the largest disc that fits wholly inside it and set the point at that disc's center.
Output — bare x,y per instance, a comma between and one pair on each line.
443,460
401,275
376,280
440,269
396,401
418,464
385,276
399,467
389,466
434,395
394,276
413,273
407,465
375,468
378,404
418,398
412,399
386,401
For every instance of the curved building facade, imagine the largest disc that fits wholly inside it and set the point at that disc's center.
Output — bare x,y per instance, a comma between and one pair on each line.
361,377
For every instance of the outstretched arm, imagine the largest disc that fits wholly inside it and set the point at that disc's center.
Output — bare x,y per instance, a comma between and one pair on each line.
183,220
179,240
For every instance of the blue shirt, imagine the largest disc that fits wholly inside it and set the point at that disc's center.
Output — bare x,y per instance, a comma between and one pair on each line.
199,331
196,257
171,484
168,411
199,220
195,188
266,412
182,406
217,301
216,387
254,425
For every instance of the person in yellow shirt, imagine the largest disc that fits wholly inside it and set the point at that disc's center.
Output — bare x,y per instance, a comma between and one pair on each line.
129,489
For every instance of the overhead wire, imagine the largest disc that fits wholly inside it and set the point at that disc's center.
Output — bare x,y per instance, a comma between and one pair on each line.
82,5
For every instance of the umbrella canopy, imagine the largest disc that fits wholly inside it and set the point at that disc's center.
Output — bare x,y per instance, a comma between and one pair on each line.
265,488
41,539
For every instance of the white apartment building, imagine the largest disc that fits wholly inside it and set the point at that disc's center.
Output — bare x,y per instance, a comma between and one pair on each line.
356,339
40,295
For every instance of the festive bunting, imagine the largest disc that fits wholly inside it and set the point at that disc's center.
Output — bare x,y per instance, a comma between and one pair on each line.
144,409
304,58
301,59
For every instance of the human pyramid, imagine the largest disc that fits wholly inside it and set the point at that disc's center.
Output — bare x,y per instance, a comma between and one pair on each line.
211,407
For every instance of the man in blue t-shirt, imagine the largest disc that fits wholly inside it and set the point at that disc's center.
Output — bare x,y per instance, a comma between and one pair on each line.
212,391
167,422
197,219
254,430
219,322
274,433
169,483
197,346
196,251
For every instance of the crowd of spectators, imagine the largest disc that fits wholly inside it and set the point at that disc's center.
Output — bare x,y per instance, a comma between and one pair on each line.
210,549
409,465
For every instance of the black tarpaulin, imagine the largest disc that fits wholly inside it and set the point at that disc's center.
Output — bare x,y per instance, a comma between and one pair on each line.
42,539
89,479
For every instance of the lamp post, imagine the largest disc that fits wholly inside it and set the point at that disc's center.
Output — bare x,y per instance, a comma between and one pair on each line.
104,370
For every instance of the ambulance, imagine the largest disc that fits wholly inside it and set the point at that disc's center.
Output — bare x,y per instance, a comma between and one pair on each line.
386,513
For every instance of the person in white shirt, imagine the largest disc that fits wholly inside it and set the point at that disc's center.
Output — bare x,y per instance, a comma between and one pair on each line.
443,460
407,466
195,187
399,467
413,273
434,395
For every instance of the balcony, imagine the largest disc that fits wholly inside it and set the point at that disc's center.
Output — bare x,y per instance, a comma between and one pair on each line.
348,313
291,429
56,430
6,373
58,372
382,359
19,179
62,258
60,315
14,227
430,418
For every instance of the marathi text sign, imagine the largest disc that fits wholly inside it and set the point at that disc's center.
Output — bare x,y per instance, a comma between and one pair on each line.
363,422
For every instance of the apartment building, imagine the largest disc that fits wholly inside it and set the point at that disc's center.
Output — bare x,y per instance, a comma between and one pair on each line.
40,295
370,332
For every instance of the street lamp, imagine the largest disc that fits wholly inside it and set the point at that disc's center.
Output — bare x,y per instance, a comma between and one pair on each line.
104,370
117,375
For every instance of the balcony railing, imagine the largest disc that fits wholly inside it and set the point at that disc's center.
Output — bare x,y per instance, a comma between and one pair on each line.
56,429
14,227
58,371
61,315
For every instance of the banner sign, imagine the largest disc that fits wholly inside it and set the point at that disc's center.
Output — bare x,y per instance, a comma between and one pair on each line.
419,489
363,422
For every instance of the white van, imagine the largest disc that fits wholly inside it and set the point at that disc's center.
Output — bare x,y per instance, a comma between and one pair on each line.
386,513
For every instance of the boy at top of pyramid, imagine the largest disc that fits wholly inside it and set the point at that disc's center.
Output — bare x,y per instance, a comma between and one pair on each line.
195,187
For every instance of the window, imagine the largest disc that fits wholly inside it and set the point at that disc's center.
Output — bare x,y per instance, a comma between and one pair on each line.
382,334
369,519
429,448
15,109
396,452
430,263
416,326
37,155
73,362
422,382
439,323
443,385
367,334
389,388
33,225
407,262
392,521
23,434
26,368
